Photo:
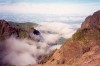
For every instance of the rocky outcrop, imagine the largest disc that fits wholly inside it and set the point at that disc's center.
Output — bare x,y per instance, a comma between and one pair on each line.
6,30
92,21
36,32
18,30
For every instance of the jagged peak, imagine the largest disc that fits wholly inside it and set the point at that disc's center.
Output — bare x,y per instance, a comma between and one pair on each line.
97,12
92,21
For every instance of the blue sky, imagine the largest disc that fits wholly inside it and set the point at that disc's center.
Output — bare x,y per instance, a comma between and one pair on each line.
52,1
55,7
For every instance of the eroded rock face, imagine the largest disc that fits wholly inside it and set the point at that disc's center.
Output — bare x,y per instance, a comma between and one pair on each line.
18,30
6,30
92,21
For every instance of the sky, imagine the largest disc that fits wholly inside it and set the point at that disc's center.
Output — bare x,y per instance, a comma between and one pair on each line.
48,7
52,1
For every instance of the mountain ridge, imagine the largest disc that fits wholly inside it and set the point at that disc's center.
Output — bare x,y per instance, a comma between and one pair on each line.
20,30
83,49
92,21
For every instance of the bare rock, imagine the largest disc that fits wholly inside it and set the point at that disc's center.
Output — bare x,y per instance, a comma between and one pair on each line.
92,21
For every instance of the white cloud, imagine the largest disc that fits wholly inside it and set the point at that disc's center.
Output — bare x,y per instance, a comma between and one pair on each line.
62,29
24,51
58,9
65,19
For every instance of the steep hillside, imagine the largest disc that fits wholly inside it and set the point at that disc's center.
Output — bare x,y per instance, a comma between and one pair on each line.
83,49
19,30
26,26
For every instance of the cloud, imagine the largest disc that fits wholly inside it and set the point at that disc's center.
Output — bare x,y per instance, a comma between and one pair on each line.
62,29
65,19
24,51
18,52
56,9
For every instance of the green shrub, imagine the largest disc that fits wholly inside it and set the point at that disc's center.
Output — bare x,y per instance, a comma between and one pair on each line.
80,34
22,34
96,34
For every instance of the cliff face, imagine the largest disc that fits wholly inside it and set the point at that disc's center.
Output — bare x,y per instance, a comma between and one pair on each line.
19,30
92,21
6,30
83,49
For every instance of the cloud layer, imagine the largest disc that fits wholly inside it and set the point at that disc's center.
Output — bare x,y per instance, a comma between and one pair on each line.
24,51
61,29
56,9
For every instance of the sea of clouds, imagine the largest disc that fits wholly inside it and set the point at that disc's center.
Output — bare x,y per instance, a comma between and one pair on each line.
57,28
16,51
23,51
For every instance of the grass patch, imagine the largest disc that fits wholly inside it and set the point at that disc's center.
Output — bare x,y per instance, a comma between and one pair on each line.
80,35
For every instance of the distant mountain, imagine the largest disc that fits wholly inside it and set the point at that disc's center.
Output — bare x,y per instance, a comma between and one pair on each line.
26,26
19,30
83,49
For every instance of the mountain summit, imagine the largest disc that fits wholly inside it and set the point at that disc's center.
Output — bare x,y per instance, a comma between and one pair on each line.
92,21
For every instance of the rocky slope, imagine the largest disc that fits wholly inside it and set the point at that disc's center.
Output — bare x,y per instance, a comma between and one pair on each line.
83,49
6,30
19,30
26,26
92,21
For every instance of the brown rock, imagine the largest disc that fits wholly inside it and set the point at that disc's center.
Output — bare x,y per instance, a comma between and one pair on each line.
92,21
7,30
